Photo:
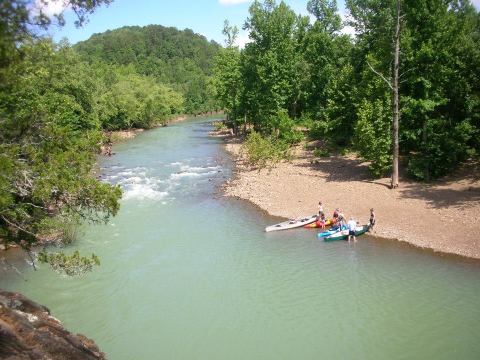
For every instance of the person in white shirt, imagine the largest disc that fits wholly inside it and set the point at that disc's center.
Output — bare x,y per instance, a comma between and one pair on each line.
320,209
352,225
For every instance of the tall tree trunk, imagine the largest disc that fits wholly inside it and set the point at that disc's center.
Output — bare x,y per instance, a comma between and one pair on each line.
234,110
425,139
396,112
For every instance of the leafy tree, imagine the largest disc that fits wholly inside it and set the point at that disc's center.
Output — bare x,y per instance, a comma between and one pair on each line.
441,90
269,61
438,82
326,14
49,134
328,55
227,76
22,19
372,133
135,101
49,129
346,89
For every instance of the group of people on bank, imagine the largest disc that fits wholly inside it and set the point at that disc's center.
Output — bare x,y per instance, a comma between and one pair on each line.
339,219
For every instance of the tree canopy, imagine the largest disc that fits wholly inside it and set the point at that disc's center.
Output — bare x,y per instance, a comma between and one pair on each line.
295,71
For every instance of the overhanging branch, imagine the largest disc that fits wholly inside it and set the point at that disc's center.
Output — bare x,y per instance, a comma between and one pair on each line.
379,74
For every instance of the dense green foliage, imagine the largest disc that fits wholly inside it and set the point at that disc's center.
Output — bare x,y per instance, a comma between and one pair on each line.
261,151
50,132
49,135
71,265
312,73
182,60
129,100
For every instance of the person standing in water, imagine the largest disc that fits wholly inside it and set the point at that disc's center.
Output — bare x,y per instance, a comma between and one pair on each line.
335,216
341,221
352,226
321,220
320,209
372,219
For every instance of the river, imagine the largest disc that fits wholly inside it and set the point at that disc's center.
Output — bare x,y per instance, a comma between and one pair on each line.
189,274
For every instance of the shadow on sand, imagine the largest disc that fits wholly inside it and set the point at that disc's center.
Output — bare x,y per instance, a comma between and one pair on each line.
439,194
442,197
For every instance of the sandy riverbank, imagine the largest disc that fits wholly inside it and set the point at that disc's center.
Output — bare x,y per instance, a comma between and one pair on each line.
444,216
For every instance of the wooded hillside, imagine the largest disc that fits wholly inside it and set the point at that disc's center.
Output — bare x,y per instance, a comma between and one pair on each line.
178,58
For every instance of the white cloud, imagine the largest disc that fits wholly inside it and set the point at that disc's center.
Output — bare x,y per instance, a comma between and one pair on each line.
50,7
476,3
232,2
348,30
242,39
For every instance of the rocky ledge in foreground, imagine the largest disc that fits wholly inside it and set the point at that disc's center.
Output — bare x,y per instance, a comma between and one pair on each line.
28,331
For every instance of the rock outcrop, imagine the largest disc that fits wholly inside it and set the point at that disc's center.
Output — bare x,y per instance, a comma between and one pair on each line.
28,331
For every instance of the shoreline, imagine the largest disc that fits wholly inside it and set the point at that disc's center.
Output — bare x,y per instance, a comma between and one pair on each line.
106,150
118,136
442,217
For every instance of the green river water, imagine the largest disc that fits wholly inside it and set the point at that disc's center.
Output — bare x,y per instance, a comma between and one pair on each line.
189,274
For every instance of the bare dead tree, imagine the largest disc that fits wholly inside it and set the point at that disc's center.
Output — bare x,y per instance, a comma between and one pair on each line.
393,84
396,112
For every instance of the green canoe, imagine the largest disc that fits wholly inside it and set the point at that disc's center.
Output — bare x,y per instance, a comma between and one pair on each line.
343,235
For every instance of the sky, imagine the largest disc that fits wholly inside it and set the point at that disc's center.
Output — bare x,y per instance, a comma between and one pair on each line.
205,17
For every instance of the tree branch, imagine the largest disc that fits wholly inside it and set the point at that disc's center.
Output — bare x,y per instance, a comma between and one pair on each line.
18,227
379,74
407,71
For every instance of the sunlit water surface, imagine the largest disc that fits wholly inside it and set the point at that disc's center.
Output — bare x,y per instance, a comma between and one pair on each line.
188,274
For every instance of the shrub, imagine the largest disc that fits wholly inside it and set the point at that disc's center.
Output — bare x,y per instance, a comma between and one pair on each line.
285,128
220,126
321,153
372,135
264,151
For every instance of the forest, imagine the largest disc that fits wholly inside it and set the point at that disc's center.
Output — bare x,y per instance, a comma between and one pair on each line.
306,72
179,59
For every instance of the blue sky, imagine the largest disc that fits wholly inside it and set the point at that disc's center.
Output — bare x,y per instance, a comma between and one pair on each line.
202,16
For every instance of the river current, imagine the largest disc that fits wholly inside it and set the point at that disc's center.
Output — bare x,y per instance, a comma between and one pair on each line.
189,274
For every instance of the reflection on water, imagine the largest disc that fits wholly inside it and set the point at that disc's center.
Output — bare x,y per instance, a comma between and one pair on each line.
189,275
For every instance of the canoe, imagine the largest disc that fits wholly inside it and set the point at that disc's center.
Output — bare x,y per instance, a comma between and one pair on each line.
291,224
343,235
332,231
316,224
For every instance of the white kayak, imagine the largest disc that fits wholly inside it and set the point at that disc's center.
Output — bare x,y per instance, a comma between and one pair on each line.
291,224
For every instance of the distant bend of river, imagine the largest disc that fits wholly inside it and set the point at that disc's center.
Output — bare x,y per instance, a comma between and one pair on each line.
189,274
